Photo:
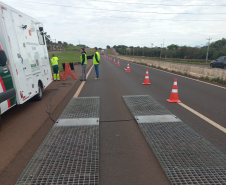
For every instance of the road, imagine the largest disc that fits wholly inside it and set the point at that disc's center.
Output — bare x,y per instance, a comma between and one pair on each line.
125,156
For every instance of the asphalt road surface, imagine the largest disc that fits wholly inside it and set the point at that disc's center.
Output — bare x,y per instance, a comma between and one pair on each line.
125,156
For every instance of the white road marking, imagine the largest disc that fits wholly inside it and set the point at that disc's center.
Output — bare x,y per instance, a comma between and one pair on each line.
125,68
82,84
204,118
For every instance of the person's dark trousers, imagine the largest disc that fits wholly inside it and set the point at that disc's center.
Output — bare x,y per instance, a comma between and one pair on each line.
83,72
97,70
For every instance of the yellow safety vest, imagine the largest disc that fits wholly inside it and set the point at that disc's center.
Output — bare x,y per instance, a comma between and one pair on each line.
54,61
85,63
98,57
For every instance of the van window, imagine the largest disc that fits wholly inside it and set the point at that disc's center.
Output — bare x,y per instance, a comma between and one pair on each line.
40,38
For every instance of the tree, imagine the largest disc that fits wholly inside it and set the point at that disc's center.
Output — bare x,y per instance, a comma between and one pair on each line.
108,47
173,46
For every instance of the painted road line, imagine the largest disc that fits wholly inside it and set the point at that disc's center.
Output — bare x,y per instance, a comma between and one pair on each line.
204,118
82,84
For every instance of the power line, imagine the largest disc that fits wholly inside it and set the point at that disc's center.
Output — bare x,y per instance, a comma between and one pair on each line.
140,18
121,10
151,4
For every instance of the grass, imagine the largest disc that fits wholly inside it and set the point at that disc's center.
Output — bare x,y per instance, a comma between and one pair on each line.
90,51
73,48
70,57
110,52
206,78
168,60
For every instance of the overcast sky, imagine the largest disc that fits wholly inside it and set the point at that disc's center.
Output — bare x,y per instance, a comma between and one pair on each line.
128,24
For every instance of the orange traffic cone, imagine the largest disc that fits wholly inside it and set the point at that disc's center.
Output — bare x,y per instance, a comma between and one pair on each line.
68,71
118,63
146,80
128,69
174,93
114,61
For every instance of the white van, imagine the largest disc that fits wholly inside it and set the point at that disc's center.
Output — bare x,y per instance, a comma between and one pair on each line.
24,60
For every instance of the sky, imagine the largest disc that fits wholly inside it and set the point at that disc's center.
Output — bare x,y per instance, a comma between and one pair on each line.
114,22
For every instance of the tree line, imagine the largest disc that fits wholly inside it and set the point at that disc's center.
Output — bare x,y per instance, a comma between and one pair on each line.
216,49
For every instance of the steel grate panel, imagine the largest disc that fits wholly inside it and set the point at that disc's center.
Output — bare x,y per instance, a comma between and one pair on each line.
82,107
68,155
70,152
144,105
185,157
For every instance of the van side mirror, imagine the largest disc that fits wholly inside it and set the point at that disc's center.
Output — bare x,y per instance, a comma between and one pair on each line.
3,58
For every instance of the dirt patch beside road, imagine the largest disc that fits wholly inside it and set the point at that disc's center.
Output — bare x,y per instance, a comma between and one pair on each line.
24,122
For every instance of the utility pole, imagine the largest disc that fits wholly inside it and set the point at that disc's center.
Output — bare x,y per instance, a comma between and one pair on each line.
151,48
161,50
208,48
163,46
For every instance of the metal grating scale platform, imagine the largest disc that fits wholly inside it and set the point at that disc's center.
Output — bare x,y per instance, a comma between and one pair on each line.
186,157
70,152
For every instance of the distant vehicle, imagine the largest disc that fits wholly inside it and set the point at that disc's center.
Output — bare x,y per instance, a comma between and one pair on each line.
102,52
24,61
219,63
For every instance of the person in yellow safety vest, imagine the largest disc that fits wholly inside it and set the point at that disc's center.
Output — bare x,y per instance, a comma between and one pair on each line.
54,63
83,59
96,62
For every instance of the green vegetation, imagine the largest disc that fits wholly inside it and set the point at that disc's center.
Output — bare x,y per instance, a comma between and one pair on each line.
110,52
70,57
206,78
168,60
216,49
90,51
73,48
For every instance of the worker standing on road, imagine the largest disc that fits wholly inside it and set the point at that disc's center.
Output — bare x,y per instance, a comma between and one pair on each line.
83,59
54,62
96,62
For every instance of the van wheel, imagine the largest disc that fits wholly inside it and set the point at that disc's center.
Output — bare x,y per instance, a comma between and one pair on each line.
39,96
211,66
